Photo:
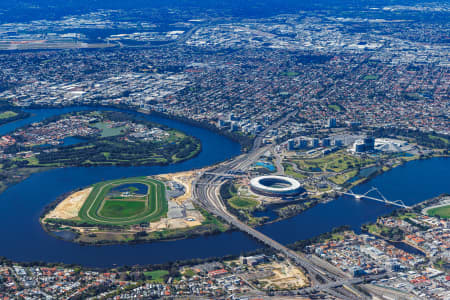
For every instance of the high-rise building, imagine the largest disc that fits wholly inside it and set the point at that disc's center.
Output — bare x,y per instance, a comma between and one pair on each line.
303,143
291,145
331,122
233,118
234,126
222,123
353,124
315,143
369,143
359,146
338,143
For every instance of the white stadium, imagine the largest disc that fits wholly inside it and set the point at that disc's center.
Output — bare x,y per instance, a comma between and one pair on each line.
277,186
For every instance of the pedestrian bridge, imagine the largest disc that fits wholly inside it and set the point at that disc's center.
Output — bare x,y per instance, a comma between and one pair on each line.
381,198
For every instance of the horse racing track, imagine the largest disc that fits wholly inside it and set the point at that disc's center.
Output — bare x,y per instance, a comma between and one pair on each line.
125,202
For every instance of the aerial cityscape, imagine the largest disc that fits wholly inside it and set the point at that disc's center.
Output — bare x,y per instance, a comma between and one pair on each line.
225,149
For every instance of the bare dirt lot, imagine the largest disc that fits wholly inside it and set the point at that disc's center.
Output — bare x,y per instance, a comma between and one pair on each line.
286,276
185,179
69,207
193,218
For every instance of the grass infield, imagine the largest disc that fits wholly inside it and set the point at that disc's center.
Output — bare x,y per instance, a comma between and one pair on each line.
443,212
121,209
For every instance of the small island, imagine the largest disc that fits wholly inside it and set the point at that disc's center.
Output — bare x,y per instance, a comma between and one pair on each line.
130,210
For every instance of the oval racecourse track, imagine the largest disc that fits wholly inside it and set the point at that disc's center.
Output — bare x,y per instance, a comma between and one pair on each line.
155,203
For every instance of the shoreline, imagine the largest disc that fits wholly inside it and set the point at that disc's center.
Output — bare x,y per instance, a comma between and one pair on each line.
20,114
381,171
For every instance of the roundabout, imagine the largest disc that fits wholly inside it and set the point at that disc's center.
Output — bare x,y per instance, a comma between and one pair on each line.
275,186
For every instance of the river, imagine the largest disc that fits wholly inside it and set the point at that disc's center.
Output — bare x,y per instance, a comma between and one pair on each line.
22,238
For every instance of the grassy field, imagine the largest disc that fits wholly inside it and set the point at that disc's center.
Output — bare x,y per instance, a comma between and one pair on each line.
189,273
378,229
289,171
116,151
213,221
407,215
335,162
156,276
443,212
439,138
394,234
99,209
371,77
342,178
290,74
122,209
335,107
106,131
7,114
243,202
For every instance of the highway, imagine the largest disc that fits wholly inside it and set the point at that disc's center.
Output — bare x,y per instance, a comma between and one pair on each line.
206,193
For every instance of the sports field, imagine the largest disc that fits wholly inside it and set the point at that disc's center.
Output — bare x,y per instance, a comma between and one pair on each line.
125,202
443,212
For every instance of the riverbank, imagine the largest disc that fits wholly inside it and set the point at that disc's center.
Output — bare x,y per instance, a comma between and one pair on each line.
11,177
276,211
96,236
402,161
99,137
396,243
69,208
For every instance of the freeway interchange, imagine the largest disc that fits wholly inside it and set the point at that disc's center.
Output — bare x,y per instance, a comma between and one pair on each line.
206,187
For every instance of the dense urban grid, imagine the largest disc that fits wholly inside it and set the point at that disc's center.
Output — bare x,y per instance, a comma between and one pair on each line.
255,70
